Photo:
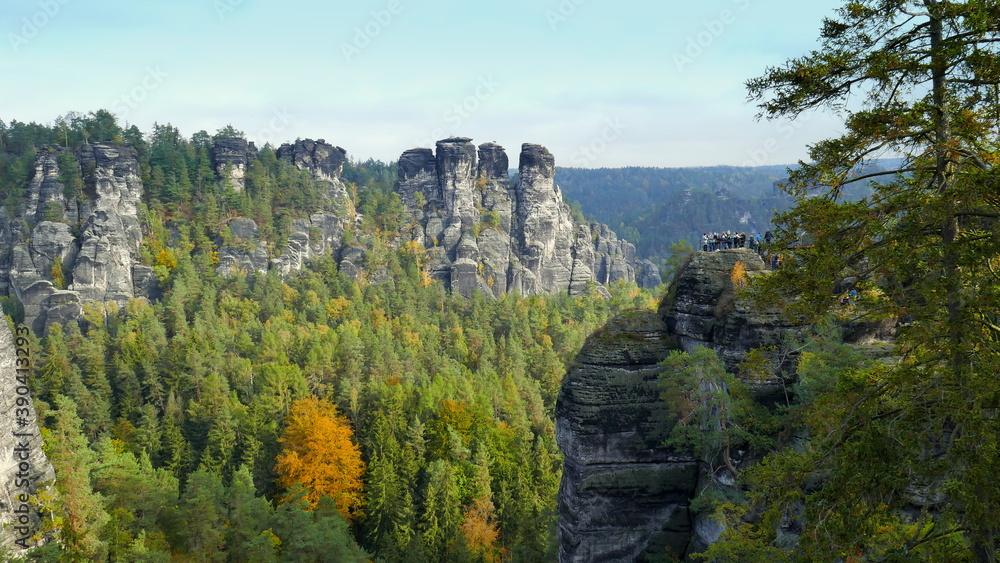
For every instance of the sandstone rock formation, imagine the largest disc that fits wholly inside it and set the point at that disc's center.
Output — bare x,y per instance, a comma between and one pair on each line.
245,252
54,268
704,311
320,233
482,234
231,157
24,469
624,494
325,161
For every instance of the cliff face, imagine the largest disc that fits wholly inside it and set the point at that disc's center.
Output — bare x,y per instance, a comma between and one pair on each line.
24,469
53,267
482,234
625,495
622,493
322,232
705,313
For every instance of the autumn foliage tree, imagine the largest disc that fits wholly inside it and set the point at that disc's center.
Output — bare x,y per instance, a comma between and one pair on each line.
479,526
319,454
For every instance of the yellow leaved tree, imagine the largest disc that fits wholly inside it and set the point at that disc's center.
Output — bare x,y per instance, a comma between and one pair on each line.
318,453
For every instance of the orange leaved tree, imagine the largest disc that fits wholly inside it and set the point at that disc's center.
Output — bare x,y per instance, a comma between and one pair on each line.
318,453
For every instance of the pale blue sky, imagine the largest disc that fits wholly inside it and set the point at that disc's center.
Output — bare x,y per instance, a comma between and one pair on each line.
599,82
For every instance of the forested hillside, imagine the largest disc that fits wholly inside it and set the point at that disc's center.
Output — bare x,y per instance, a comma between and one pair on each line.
199,425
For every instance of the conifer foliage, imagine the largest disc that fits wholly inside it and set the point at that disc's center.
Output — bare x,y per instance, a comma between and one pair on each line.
901,459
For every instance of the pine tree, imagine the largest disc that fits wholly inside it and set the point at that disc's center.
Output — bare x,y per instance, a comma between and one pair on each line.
917,79
441,518
141,499
80,513
317,533
205,512
249,537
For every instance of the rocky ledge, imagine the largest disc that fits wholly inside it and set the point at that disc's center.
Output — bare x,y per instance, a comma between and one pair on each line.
64,251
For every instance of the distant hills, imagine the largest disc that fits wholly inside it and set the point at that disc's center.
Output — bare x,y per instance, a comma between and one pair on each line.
656,207
653,208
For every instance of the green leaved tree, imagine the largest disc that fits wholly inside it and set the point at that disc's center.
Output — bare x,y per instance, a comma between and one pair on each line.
905,455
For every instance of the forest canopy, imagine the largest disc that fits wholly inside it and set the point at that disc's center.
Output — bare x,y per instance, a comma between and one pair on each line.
182,428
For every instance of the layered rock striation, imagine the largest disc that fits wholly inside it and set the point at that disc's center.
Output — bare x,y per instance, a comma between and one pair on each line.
705,311
484,234
625,495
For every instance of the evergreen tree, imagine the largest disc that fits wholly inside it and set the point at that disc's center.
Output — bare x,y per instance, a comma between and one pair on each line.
204,511
314,534
80,514
916,78
249,537
441,518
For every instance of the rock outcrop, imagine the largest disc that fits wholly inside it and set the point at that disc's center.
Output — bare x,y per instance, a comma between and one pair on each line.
244,252
325,161
231,157
24,469
320,233
482,234
67,251
624,494
705,312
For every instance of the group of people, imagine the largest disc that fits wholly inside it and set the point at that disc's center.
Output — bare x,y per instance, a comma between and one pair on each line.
710,242
724,240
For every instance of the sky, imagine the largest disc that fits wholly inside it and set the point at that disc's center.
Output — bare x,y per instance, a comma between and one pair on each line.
601,83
